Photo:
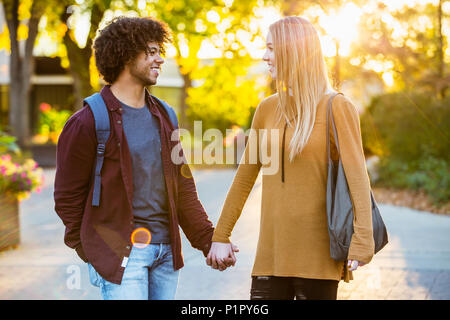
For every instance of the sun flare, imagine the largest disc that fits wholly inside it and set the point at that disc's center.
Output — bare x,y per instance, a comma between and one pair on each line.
340,28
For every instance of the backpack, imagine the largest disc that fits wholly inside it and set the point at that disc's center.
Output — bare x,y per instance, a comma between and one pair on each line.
102,129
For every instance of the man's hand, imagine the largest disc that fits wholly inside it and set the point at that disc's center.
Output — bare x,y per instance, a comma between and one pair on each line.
221,255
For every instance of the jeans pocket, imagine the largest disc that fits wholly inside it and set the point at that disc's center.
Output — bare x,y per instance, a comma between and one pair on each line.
94,277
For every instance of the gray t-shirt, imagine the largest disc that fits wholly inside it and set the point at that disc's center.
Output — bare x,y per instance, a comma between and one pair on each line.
150,203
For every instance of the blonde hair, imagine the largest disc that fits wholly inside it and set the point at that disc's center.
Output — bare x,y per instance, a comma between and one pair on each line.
302,77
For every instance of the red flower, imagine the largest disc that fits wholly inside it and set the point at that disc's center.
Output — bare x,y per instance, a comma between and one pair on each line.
45,107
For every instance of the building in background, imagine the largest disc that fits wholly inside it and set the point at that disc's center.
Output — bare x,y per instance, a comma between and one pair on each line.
53,84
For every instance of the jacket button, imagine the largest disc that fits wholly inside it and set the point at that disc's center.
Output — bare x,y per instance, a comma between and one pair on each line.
128,247
119,122
118,144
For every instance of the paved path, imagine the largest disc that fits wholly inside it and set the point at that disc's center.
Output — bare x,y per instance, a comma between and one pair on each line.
414,265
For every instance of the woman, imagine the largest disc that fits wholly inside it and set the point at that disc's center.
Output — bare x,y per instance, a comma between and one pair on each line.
293,256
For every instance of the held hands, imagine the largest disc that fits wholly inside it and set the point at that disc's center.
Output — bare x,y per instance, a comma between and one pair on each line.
221,255
354,264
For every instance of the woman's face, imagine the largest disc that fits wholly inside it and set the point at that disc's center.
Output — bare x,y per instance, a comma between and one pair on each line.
269,56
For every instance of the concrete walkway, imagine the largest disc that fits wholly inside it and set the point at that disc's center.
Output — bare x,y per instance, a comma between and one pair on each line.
414,265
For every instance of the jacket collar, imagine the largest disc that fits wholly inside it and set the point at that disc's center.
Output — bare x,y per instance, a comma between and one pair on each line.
114,104
111,101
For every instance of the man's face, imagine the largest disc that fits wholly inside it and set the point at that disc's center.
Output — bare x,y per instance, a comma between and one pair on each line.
146,67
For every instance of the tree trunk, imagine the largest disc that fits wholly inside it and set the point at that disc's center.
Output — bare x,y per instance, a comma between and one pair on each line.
21,69
15,70
79,69
79,58
37,11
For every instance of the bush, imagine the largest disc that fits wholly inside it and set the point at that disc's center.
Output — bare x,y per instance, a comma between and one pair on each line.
410,133
407,126
51,124
8,144
429,174
227,96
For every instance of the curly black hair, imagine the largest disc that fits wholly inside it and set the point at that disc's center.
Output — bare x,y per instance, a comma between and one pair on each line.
122,40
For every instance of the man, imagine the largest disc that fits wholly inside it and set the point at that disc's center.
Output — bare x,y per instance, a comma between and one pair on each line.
131,240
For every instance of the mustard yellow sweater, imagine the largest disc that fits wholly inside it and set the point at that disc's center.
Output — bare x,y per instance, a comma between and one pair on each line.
293,238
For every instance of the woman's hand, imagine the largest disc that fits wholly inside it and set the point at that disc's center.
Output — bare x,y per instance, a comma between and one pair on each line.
221,255
354,264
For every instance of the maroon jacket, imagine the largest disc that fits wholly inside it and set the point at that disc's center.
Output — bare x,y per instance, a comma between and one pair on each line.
102,235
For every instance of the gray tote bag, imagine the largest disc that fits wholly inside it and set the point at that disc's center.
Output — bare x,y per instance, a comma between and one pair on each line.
340,207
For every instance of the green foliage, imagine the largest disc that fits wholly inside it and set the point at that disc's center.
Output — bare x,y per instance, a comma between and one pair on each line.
227,96
51,123
190,23
8,144
411,135
408,39
407,126
428,173
195,23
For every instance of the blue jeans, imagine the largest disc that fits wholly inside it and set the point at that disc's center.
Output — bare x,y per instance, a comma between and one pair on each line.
149,275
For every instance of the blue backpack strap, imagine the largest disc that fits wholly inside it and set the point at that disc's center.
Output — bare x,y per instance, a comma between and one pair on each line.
102,129
169,110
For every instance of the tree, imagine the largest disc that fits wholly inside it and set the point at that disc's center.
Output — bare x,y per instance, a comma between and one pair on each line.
192,22
329,8
228,95
79,55
410,41
21,15
294,7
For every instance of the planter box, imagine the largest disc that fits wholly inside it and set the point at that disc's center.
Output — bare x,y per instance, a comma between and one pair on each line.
44,155
9,222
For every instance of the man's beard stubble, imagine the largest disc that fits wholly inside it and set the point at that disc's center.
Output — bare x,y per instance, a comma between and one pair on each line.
139,74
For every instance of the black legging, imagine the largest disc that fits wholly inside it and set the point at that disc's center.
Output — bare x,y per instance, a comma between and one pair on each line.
288,288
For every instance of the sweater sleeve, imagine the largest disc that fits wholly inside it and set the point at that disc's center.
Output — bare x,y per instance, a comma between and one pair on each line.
242,185
352,156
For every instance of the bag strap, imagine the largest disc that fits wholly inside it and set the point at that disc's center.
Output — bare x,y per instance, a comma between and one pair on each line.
170,112
330,114
102,129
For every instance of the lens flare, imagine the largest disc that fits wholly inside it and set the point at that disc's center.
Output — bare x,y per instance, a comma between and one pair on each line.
141,237
185,171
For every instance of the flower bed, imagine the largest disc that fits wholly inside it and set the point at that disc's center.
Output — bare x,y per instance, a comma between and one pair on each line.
17,181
